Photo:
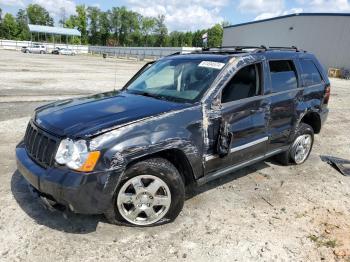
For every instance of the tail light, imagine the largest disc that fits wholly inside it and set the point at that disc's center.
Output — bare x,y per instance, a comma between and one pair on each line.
327,94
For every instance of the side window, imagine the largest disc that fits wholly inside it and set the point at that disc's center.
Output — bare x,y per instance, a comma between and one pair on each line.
283,75
245,83
310,75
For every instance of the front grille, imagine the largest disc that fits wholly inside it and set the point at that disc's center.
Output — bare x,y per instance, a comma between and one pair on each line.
40,145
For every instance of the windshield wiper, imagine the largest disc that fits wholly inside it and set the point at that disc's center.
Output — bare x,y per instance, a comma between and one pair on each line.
156,96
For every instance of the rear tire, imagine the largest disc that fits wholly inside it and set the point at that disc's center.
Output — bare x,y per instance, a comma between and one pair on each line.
151,192
299,151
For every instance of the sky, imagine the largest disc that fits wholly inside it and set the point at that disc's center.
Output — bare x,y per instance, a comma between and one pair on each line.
185,15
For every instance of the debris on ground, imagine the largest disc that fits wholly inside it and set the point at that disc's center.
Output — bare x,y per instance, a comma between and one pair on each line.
342,165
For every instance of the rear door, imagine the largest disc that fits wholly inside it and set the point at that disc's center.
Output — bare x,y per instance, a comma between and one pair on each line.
283,95
244,112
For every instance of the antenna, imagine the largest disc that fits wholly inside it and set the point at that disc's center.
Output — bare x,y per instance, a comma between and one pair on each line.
115,76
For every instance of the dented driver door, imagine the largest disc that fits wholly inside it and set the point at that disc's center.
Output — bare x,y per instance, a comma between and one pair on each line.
245,132
242,128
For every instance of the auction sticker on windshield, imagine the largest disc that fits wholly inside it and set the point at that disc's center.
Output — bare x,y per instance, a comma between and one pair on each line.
211,64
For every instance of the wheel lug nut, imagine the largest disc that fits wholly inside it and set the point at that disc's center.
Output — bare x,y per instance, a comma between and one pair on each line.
150,197
148,205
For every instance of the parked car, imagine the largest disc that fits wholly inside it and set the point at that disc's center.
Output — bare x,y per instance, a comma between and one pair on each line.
35,49
56,51
66,51
180,122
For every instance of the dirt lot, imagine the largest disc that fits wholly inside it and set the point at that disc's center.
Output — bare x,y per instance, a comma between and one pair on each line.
265,212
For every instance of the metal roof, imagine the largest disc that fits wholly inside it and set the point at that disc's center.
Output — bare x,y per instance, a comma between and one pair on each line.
291,15
53,30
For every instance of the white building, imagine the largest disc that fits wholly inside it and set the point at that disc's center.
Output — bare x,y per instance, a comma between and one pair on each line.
327,35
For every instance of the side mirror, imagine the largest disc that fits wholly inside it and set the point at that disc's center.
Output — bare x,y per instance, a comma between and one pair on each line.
224,140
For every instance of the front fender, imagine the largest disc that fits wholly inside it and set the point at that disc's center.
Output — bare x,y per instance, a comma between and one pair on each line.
181,130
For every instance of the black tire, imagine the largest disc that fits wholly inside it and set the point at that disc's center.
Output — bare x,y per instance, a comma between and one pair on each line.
286,158
167,172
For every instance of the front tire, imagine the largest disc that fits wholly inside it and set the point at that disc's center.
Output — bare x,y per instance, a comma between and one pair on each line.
300,149
152,192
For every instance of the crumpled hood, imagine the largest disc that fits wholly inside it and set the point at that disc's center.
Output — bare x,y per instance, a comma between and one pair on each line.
86,116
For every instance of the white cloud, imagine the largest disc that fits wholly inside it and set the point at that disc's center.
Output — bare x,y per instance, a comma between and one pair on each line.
55,7
12,3
268,15
260,6
325,5
192,15
265,9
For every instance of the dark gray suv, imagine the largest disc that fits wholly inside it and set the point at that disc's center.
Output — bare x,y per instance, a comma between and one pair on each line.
180,121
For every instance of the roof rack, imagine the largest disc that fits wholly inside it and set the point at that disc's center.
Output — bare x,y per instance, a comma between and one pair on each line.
238,48
233,49
256,49
284,48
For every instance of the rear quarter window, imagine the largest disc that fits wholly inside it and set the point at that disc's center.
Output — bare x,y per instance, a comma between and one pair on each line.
283,75
310,74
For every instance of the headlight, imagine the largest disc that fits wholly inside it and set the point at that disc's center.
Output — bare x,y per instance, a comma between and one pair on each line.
76,155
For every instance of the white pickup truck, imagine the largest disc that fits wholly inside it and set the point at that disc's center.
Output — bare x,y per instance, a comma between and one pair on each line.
36,49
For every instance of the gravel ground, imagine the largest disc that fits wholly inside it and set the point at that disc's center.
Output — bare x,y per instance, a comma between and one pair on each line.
266,212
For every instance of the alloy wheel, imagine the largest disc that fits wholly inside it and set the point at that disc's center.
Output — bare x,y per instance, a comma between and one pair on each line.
144,200
301,148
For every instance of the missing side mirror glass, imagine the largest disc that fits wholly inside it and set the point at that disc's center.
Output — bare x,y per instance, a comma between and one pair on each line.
224,140
216,105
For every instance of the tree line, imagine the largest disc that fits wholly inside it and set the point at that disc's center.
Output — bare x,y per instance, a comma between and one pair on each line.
115,27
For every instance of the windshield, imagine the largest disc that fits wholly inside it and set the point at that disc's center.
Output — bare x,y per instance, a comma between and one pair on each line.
179,80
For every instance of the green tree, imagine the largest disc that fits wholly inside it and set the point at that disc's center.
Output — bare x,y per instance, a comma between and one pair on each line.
105,27
174,39
188,37
71,22
9,27
147,29
82,23
1,29
197,40
215,35
93,14
118,26
161,31
22,25
115,21
129,29
38,15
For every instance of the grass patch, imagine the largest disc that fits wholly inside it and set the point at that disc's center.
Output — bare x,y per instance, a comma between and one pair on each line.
321,241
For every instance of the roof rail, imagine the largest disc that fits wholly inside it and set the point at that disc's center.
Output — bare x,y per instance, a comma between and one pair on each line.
239,49
284,48
235,48
176,53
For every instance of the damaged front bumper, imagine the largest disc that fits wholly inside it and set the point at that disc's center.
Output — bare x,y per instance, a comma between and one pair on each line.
85,193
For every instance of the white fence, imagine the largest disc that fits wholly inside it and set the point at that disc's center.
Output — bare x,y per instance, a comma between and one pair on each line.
139,52
127,52
17,45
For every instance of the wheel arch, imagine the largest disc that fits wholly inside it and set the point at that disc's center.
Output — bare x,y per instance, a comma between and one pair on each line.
175,156
313,119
